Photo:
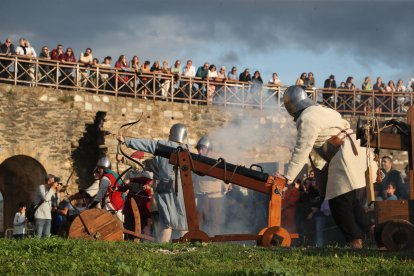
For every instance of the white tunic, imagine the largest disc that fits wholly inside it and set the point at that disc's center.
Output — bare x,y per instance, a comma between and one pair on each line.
346,171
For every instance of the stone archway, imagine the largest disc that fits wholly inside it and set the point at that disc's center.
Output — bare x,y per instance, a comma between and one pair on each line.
20,175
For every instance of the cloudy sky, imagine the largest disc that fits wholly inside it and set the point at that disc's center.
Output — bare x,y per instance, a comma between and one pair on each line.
344,38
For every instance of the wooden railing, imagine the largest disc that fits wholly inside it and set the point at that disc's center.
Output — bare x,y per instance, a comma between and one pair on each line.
19,70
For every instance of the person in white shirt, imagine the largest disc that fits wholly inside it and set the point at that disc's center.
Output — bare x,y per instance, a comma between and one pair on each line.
43,214
19,222
211,75
25,50
188,71
85,60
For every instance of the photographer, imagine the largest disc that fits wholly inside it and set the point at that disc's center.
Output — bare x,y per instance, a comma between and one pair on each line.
43,214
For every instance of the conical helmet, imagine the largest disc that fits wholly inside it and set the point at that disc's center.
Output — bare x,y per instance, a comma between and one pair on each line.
204,142
295,99
178,133
104,162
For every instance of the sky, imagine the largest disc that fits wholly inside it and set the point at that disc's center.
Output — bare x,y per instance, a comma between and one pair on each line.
344,38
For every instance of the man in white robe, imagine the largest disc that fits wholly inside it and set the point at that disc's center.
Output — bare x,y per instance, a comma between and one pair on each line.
341,162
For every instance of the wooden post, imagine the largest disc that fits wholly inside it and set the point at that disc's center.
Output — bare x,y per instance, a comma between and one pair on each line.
410,121
188,190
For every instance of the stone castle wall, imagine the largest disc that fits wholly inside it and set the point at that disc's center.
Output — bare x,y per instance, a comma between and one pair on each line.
50,125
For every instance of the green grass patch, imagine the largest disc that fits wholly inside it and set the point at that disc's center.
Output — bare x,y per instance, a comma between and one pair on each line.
56,256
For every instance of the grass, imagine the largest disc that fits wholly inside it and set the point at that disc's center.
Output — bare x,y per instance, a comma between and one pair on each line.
56,256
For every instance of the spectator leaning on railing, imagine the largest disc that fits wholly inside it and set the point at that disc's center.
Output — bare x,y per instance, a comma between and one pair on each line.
25,50
329,83
401,99
232,75
8,49
106,65
85,60
301,80
245,76
45,74
176,71
310,80
58,54
68,62
275,79
135,64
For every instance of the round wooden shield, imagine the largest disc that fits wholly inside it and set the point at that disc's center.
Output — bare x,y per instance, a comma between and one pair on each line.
398,234
96,224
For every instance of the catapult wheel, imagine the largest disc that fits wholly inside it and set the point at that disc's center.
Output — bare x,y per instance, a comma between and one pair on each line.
274,236
398,234
195,236
96,224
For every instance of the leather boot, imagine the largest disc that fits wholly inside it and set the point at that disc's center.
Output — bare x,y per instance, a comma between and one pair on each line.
356,243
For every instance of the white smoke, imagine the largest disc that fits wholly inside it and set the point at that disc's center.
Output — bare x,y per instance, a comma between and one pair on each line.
252,136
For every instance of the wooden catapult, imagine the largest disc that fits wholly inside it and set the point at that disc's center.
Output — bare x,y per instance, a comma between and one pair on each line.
394,219
188,162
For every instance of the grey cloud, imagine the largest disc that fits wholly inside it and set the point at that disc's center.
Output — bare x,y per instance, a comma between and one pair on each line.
374,32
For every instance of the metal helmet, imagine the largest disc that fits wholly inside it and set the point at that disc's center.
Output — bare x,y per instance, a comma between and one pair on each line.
104,162
296,99
204,142
178,133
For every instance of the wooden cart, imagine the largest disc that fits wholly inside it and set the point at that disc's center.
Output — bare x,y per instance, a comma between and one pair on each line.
394,219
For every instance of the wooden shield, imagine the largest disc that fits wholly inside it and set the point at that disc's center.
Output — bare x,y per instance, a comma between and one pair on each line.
96,224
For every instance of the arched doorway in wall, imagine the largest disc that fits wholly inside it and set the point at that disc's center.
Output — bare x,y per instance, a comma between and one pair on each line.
20,176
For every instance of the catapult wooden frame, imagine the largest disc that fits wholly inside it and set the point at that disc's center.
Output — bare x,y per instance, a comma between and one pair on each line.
272,186
394,219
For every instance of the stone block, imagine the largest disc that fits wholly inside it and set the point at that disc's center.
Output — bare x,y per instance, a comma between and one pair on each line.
178,115
78,98
43,98
168,113
96,98
88,106
105,99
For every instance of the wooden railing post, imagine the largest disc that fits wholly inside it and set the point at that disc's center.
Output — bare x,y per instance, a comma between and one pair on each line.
354,102
97,79
153,86
36,72
78,77
15,70
57,75
116,82
190,89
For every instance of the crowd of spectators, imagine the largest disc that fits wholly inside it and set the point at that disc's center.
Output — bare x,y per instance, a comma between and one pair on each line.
67,59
